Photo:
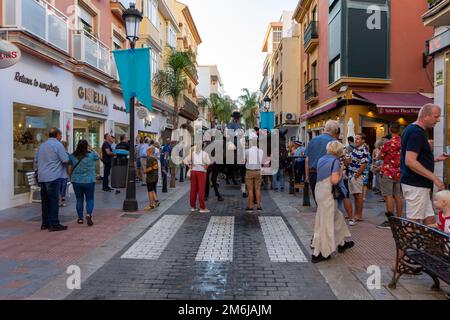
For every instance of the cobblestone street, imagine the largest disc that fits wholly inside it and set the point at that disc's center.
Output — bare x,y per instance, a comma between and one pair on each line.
228,254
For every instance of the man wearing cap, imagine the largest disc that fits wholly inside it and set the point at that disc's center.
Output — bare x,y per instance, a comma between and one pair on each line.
235,124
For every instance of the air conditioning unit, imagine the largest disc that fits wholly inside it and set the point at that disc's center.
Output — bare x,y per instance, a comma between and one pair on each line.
290,117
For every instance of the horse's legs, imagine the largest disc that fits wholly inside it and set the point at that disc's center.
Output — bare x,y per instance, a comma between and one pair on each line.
215,175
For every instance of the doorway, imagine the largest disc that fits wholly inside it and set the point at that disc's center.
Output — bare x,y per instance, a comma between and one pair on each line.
371,137
89,129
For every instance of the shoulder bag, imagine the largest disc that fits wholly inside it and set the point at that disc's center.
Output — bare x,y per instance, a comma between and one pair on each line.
76,165
336,190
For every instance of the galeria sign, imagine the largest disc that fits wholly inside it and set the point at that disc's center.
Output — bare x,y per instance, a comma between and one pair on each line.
9,54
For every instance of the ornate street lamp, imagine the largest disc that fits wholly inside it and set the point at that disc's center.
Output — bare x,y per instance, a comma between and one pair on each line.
267,102
132,18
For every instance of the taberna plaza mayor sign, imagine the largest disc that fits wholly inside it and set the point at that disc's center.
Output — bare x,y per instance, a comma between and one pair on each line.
9,54
93,100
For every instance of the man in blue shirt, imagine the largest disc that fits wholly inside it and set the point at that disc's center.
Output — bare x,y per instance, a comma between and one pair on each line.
316,149
50,161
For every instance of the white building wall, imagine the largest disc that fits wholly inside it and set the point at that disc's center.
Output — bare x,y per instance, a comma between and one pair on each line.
440,99
204,79
13,91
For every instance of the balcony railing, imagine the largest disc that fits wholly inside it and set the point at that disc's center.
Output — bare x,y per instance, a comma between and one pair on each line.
89,49
40,19
433,3
311,33
114,71
264,84
311,90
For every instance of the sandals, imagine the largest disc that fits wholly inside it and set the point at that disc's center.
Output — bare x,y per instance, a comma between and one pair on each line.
89,221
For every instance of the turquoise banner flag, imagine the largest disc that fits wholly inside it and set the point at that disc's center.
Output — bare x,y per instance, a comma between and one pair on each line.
267,120
134,73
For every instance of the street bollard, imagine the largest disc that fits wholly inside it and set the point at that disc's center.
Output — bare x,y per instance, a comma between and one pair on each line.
306,201
164,181
181,173
292,180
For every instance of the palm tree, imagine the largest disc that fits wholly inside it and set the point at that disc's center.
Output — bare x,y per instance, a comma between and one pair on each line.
249,109
172,81
203,104
221,107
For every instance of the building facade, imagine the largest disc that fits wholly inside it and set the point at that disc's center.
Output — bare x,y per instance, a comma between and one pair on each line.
210,82
281,73
158,32
188,39
67,78
437,53
357,58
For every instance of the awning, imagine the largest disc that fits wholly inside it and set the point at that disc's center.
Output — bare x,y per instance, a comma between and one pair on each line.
318,111
408,104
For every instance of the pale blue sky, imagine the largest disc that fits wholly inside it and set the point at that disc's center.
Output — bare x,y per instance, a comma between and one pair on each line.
233,32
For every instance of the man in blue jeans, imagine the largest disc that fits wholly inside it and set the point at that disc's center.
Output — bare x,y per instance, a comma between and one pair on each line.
50,160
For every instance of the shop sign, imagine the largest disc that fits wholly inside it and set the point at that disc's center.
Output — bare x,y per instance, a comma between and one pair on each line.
92,100
9,54
439,78
439,42
399,111
22,78
119,108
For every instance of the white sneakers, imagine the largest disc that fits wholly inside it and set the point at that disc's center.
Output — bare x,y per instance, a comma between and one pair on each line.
201,211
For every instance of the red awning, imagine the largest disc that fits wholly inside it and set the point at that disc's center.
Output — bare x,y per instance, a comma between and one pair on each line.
318,111
396,103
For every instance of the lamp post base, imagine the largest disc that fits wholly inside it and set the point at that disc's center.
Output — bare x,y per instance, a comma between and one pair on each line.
130,205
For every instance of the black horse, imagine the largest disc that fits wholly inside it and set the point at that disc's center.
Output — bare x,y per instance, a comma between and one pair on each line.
229,170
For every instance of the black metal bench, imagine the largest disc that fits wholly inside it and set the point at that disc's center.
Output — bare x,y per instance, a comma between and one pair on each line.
420,249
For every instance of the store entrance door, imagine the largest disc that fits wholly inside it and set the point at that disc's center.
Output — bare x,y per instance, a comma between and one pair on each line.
89,129
371,137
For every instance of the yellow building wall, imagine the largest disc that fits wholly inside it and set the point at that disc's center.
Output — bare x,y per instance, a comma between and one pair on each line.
291,77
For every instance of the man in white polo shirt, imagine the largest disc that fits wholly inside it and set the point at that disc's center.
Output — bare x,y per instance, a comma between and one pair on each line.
253,163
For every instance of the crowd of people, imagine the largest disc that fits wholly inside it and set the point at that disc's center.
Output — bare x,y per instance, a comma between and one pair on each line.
403,169
402,166
56,169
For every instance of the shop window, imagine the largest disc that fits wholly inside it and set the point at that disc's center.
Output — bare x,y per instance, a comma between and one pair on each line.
31,126
335,69
121,129
89,129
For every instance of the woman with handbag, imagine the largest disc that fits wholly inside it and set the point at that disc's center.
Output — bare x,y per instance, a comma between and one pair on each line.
330,228
83,177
